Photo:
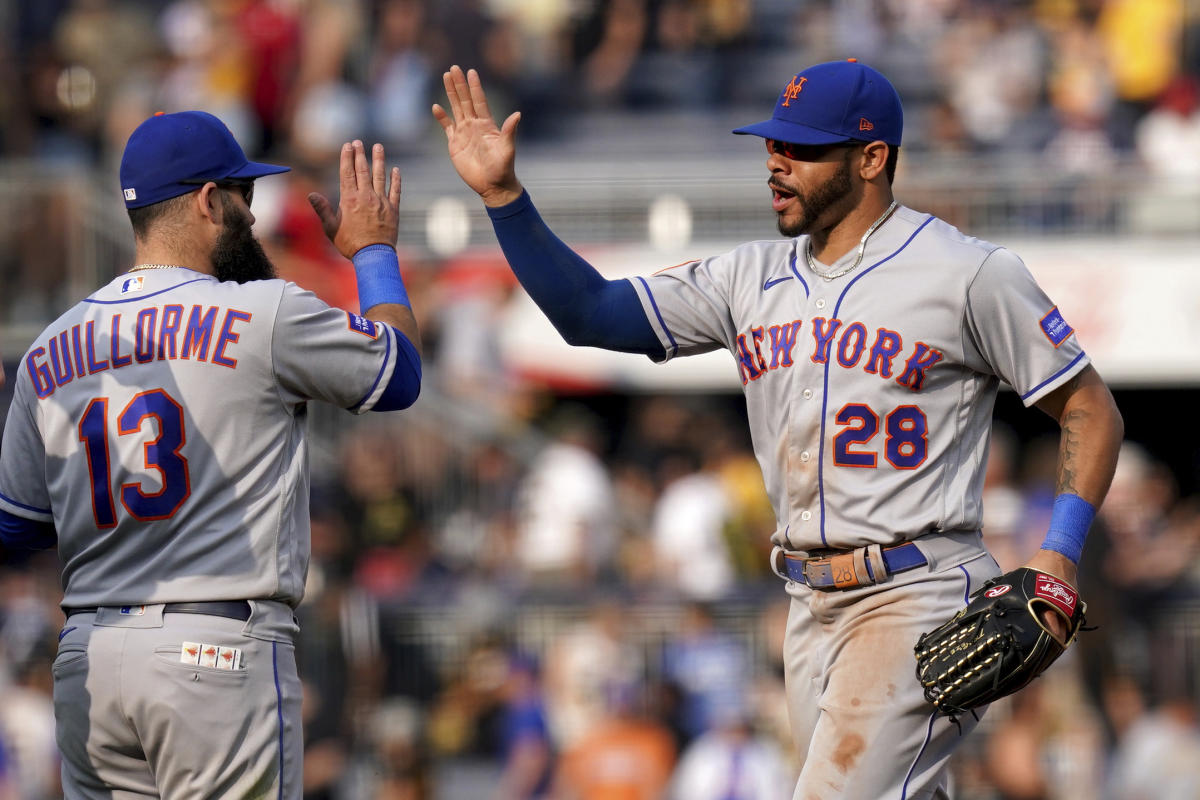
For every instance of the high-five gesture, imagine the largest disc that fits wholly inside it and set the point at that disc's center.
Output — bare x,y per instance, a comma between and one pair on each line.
483,153
368,209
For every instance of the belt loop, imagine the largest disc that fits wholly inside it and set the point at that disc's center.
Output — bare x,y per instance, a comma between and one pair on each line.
777,556
860,568
875,559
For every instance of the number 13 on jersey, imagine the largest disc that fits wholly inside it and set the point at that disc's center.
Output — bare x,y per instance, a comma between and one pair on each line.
162,453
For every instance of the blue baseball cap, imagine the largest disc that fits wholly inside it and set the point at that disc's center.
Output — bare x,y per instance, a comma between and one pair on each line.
173,154
834,102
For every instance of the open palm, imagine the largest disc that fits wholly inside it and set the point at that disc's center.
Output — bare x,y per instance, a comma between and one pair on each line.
483,153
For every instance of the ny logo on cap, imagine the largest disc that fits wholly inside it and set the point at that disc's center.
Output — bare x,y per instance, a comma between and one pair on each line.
792,90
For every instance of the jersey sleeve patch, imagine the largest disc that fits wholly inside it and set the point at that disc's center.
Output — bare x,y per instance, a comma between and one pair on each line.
360,324
1055,327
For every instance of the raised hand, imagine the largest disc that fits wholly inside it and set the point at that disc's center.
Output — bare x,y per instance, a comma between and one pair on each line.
483,153
368,210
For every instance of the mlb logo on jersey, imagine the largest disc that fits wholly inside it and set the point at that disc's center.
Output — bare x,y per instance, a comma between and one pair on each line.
133,284
361,324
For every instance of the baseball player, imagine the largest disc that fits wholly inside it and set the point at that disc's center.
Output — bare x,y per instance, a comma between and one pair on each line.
157,438
871,341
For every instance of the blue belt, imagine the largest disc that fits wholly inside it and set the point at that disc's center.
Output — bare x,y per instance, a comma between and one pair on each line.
840,570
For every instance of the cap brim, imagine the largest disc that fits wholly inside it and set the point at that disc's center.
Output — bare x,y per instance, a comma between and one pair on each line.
791,132
255,169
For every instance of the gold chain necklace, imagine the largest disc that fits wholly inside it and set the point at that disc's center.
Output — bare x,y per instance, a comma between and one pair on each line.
141,267
862,248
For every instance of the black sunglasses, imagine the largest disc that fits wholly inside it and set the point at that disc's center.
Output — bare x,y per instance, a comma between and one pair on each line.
244,186
806,152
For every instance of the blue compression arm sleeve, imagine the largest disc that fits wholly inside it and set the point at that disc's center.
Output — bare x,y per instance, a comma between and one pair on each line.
26,534
405,385
586,308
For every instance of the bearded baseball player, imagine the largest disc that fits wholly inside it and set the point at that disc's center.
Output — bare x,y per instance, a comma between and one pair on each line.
871,341
157,438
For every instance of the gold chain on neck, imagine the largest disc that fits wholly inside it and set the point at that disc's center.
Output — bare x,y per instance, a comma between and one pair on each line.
141,267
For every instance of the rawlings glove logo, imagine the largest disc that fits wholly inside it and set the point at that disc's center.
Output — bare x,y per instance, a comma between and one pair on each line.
996,591
1053,590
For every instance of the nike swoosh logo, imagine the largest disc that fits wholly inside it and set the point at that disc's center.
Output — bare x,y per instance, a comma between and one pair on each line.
65,631
772,281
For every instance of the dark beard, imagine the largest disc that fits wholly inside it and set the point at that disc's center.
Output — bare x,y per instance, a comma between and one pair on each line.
237,255
824,197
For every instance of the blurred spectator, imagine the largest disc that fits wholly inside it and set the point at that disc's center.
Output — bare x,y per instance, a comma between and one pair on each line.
731,762
1081,95
27,726
98,43
401,76
711,671
1158,755
1170,129
689,529
528,752
465,720
582,663
1141,40
679,71
1044,743
626,755
566,527
392,764
994,60
608,47
470,304
1003,503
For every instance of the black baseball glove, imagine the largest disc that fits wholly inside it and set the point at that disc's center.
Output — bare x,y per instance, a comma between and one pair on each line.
998,643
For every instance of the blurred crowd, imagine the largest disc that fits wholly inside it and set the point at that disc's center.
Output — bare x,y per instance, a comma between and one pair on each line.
589,615
1069,88
516,593
1082,79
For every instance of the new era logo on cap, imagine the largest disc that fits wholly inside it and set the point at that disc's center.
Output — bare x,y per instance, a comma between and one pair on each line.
834,102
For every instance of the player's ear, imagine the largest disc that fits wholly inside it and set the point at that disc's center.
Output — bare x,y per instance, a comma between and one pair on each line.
208,203
874,160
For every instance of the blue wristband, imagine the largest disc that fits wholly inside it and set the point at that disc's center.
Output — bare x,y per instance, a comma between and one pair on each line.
378,271
1069,523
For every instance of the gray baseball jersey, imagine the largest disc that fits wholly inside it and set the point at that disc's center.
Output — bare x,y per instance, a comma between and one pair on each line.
870,397
160,425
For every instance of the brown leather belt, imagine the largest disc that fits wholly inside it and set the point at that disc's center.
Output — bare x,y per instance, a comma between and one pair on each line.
851,568
232,609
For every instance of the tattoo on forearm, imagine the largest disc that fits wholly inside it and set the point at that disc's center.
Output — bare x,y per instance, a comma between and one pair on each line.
1070,451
